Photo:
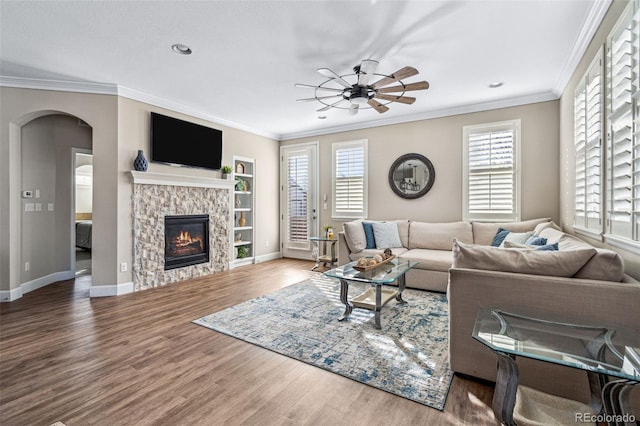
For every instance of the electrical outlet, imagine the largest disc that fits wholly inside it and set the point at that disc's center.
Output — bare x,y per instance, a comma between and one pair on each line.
29,207
123,267
266,243
27,266
37,193
50,207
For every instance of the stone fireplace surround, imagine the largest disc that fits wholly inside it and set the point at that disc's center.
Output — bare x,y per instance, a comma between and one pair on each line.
156,195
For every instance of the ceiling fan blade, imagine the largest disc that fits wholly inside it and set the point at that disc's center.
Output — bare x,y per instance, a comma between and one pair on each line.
326,108
398,75
377,106
318,98
309,86
421,85
328,73
402,99
367,67
354,109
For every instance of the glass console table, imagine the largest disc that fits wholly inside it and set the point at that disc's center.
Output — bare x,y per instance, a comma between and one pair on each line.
372,299
609,354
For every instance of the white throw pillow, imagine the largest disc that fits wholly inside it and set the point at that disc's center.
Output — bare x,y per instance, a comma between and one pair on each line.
386,234
517,237
354,234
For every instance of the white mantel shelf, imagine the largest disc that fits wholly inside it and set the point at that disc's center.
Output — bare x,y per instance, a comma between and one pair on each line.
150,178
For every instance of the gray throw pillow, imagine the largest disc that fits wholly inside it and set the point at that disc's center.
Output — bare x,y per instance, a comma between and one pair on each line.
386,234
354,234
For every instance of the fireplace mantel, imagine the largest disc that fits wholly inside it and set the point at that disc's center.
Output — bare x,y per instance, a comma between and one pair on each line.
150,178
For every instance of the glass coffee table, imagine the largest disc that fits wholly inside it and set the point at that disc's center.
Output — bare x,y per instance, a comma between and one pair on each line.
610,354
380,293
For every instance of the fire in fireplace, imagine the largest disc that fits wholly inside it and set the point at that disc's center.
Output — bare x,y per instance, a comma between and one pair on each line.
186,240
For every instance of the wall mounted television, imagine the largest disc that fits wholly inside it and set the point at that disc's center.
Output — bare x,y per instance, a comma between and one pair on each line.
181,143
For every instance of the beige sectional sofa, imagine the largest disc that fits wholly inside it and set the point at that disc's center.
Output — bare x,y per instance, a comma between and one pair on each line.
476,275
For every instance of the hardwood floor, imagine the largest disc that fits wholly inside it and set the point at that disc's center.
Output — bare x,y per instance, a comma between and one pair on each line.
137,359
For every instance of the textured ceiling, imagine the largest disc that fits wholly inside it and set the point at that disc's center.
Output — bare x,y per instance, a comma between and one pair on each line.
247,55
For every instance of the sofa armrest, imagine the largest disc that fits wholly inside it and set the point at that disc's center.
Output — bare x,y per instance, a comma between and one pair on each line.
343,250
587,300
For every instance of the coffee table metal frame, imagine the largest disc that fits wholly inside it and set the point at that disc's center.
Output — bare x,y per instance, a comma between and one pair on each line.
376,297
603,351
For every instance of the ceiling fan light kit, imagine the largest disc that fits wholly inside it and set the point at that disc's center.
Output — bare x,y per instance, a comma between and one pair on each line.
353,96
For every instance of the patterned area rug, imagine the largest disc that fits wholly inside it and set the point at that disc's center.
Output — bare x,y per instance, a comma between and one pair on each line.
408,357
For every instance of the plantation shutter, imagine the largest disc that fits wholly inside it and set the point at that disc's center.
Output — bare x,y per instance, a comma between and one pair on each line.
298,196
588,118
491,180
623,150
349,180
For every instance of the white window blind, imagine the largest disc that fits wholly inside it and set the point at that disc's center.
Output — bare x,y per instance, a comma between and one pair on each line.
588,116
491,176
349,180
623,146
297,197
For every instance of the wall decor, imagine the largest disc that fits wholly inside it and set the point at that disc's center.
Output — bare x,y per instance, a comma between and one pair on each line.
411,176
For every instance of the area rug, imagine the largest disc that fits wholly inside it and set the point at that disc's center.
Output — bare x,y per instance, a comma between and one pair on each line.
407,357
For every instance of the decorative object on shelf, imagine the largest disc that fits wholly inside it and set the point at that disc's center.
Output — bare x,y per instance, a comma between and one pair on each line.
140,163
411,176
240,167
242,221
242,185
238,201
238,237
226,172
243,252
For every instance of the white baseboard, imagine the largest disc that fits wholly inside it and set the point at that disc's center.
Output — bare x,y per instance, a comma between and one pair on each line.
271,256
10,295
111,290
17,293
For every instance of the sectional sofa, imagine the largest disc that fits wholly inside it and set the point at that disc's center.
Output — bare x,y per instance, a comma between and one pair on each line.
578,281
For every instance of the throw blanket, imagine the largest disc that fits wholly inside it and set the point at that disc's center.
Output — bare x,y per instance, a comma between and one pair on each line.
83,234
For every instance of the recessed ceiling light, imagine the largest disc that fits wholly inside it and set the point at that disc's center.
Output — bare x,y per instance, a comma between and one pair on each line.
181,49
322,117
496,84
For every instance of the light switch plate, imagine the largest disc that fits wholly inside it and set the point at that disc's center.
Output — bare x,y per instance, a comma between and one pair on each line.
29,207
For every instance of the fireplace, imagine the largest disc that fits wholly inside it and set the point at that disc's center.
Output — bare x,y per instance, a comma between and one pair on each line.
186,240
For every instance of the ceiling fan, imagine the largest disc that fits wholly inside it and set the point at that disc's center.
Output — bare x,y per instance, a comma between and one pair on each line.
360,92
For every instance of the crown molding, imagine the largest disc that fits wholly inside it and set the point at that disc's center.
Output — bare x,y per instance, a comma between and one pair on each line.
447,112
59,85
116,90
591,24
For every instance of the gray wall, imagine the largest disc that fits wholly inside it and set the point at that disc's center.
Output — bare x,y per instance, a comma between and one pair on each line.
440,140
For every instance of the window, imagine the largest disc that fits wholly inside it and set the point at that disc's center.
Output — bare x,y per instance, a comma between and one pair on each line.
623,131
491,171
297,196
588,106
349,171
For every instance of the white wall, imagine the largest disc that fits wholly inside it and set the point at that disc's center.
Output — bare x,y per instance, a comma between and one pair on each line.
440,140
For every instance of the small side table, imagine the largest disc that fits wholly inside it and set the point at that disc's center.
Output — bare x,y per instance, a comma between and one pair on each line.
609,354
324,250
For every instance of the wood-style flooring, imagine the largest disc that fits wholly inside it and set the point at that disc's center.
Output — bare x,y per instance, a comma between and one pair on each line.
137,359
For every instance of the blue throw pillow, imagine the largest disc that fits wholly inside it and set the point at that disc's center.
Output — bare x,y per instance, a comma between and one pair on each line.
500,236
536,241
368,233
548,247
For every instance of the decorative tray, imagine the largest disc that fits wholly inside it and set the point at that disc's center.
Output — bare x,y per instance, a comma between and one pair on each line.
368,268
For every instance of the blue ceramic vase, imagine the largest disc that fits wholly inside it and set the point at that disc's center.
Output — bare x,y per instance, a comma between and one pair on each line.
140,163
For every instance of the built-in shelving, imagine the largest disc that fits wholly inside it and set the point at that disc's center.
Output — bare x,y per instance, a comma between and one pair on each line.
244,210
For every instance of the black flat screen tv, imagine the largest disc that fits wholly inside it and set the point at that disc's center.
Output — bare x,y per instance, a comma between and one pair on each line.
181,143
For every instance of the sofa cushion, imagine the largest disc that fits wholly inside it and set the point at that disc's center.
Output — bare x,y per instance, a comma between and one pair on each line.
535,262
403,231
386,235
552,247
606,265
483,232
438,236
433,260
372,252
354,235
369,235
544,225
